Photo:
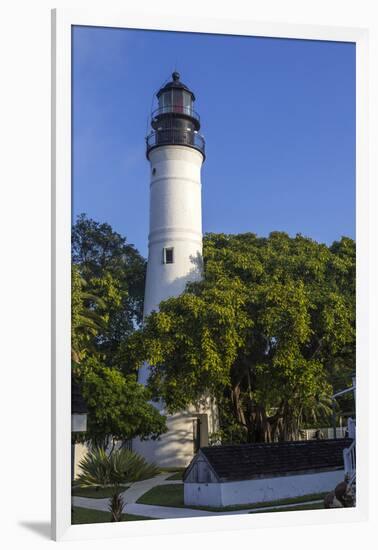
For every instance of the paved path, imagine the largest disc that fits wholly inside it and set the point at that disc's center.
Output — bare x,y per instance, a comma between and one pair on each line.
148,510
136,490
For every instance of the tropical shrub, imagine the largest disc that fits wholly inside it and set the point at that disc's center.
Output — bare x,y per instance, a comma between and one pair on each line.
99,468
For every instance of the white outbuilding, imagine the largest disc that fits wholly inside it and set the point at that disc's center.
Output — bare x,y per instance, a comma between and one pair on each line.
226,475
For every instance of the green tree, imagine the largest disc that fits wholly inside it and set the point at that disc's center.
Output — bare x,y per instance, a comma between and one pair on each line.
265,331
114,271
107,300
119,407
86,321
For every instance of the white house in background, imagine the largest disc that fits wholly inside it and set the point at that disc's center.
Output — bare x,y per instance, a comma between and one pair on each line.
350,464
228,475
79,415
176,152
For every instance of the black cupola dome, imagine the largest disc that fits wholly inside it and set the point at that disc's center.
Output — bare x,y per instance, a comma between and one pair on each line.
175,84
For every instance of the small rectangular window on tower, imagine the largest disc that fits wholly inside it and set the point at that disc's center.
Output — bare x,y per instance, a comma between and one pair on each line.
168,255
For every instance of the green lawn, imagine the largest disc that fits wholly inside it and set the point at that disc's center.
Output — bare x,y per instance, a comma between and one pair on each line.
171,470
164,495
85,515
95,492
173,495
314,506
174,477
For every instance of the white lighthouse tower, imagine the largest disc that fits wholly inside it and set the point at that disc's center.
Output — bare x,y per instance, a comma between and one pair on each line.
176,151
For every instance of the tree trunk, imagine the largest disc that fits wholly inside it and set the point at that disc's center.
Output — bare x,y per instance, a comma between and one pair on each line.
252,418
259,428
237,406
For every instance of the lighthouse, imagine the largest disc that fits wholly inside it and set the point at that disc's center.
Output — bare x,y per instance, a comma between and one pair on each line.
175,150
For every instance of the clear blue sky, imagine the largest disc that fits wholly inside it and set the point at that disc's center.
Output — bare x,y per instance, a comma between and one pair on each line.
278,117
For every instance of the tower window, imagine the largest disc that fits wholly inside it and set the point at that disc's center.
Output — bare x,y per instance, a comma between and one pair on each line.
167,255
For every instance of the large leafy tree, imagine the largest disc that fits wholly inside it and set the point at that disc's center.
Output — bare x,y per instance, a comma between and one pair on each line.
114,271
267,331
118,407
86,321
107,292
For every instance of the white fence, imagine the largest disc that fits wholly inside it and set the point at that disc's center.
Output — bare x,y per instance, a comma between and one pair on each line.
350,462
325,433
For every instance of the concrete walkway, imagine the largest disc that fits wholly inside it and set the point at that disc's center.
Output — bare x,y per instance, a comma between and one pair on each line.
137,489
147,510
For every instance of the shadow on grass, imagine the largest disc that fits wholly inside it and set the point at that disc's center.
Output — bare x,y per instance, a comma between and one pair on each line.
97,492
173,495
86,515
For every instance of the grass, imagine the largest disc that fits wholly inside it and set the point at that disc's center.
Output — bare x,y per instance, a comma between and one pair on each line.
164,495
85,515
174,477
173,495
95,492
314,506
173,470
294,500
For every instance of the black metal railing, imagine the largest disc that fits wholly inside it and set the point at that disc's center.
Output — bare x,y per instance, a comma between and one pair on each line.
175,136
176,109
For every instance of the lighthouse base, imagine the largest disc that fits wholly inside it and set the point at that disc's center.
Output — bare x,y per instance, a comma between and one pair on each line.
187,432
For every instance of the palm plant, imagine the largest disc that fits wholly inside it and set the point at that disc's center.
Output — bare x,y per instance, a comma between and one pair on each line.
101,469
86,321
116,506
95,469
317,409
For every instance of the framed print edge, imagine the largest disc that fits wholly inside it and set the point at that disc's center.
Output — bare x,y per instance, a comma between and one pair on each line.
62,22
362,271
61,274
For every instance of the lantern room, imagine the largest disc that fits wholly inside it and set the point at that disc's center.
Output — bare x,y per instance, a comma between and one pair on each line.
174,121
175,97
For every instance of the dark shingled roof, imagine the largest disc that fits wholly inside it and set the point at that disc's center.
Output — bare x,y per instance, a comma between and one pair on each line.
237,462
78,405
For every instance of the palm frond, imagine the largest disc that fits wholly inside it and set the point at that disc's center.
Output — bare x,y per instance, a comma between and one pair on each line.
121,466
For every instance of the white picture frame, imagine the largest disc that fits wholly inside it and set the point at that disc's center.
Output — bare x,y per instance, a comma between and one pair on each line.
62,21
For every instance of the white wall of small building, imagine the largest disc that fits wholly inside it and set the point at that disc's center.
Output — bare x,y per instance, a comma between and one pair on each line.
260,490
175,448
81,451
79,422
